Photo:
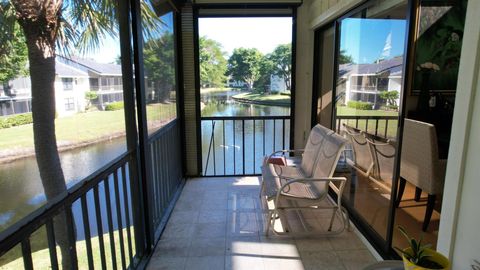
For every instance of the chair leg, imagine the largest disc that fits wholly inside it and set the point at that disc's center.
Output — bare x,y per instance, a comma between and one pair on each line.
418,194
401,189
262,189
332,219
429,211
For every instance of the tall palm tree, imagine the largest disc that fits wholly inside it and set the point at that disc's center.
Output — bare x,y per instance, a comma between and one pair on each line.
49,25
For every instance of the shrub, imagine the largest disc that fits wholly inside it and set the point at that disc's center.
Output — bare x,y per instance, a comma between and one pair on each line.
360,105
114,106
16,120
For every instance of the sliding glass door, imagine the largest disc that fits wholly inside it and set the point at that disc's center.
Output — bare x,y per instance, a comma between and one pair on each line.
359,98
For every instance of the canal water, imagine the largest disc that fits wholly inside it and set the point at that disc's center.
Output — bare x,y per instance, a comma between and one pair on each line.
21,190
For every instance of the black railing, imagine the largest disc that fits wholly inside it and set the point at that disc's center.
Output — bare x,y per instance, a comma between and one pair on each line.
236,145
385,126
98,207
166,172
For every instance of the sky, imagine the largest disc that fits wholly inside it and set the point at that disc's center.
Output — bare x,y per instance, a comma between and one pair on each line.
365,39
261,33
109,50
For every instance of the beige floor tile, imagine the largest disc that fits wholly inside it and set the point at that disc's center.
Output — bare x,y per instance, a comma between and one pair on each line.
355,259
320,244
324,260
174,247
244,262
283,264
217,223
214,204
240,201
346,241
242,223
243,245
205,263
279,247
184,217
209,230
212,216
207,247
175,230
166,263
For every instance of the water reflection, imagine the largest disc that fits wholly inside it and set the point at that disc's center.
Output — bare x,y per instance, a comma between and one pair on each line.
21,189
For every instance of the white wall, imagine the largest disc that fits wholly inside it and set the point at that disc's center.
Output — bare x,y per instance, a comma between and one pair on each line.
304,79
80,86
459,235
310,15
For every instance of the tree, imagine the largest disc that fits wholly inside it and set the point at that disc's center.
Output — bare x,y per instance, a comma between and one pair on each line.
266,69
159,62
80,24
244,65
282,60
344,58
212,63
13,50
89,97
390,96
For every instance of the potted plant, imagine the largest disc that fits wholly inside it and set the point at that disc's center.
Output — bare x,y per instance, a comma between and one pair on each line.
419,256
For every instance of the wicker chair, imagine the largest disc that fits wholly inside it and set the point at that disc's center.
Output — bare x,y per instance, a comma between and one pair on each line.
420,164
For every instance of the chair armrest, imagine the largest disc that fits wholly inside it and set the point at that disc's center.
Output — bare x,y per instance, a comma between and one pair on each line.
338,190
286,151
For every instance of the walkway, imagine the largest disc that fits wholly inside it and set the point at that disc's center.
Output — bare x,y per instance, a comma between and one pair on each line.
217,224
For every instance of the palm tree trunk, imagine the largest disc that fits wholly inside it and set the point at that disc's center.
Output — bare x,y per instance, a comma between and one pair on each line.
40,25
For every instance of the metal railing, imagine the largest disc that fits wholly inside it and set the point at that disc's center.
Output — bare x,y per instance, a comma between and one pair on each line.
236,145
166,172
100,206
99,218
110,87
385,126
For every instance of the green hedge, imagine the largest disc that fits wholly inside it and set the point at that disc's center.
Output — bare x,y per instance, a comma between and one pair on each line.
360,105
16,120
114,106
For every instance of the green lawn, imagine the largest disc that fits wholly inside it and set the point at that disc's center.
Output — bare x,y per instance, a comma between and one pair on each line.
362,124
82,127
41,258
276,99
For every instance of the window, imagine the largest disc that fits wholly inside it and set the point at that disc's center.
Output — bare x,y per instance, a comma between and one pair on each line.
161,75
70,104
67,84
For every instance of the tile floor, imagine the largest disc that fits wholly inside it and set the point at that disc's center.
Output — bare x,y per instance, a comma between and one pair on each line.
217,224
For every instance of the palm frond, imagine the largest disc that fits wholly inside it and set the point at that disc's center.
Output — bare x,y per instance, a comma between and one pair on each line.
152,24
94,20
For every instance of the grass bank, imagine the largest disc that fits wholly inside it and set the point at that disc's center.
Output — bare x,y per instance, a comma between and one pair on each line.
391,127
79,129
263,99
41,256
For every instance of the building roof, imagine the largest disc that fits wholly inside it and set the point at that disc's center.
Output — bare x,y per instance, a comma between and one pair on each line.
392,66
64,70
90,65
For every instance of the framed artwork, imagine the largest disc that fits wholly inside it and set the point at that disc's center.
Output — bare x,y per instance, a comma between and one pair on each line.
438,45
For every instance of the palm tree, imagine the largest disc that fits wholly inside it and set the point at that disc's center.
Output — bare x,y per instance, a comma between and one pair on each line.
48,25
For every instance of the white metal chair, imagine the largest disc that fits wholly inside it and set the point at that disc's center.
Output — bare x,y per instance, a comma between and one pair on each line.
305,187
420,163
